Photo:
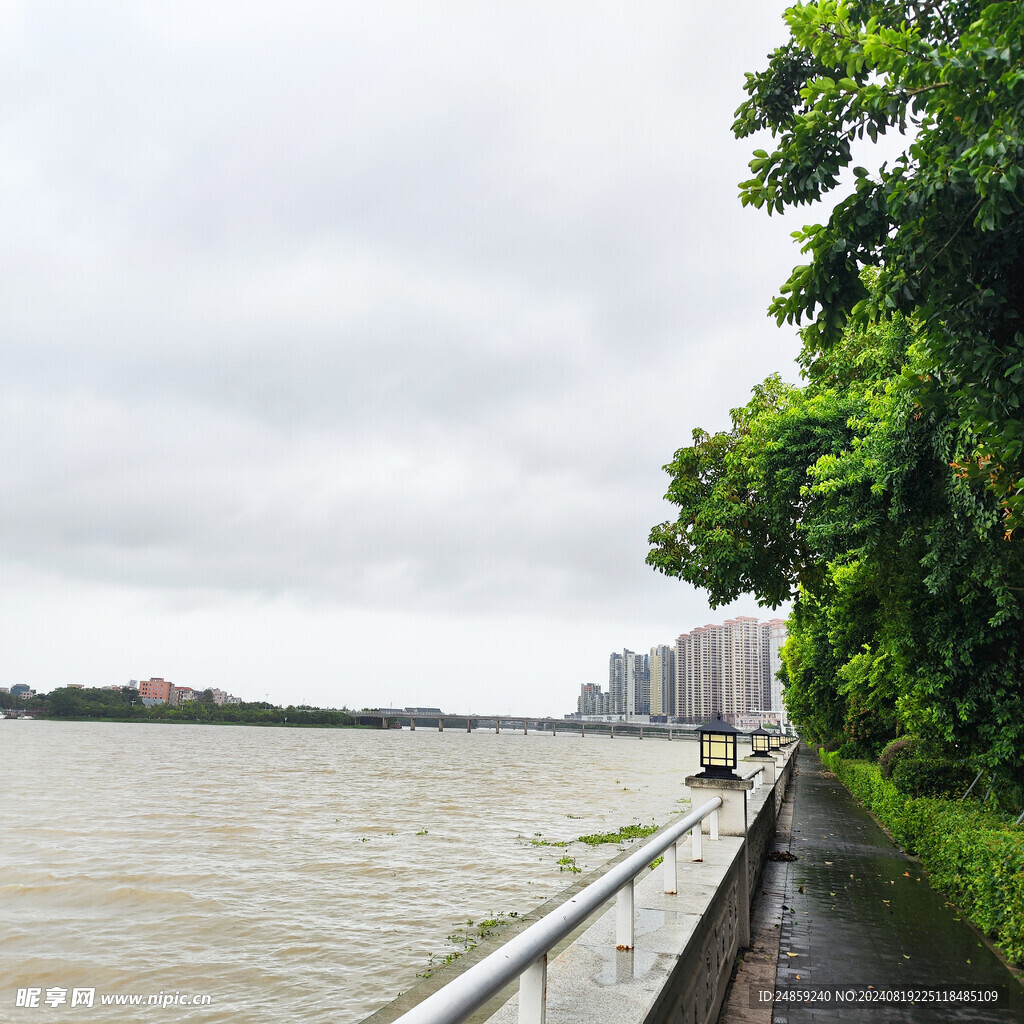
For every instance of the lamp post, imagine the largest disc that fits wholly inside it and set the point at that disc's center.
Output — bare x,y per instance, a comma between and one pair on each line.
760,756
760,742
718,750
719,779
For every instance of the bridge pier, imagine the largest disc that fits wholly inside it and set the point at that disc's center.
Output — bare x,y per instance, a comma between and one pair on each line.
469,725
412,725
554,728
641,732
611,732
497,725
440,725
524,726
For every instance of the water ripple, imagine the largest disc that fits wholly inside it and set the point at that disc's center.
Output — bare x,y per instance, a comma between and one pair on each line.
289,874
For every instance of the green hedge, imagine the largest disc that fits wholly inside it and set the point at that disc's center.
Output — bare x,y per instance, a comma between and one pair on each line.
974,856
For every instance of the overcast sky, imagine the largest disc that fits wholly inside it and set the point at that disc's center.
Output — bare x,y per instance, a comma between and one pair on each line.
344,343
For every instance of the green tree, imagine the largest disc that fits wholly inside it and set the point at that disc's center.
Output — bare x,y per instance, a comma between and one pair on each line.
942,223
838,495
66,702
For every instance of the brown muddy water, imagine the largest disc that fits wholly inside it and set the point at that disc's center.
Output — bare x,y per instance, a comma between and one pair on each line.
284,875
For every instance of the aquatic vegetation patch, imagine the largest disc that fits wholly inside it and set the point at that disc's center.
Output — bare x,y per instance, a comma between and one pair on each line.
626,832
466,937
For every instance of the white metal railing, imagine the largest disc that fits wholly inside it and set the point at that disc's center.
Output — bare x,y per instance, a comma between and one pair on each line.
755,774
526,955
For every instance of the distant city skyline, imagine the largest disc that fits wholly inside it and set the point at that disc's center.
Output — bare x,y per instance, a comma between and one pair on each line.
725,669
633,688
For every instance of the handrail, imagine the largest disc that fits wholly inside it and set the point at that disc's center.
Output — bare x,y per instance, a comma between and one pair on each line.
752,774
525,954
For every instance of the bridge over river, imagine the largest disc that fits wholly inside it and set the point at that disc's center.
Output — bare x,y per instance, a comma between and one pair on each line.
518,723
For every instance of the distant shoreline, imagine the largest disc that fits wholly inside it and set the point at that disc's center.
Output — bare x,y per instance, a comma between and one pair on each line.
191,721
126,704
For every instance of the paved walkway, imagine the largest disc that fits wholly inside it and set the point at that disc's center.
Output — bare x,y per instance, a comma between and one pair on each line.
852,910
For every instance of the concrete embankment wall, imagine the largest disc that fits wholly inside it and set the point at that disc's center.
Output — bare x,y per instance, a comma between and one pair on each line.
686,943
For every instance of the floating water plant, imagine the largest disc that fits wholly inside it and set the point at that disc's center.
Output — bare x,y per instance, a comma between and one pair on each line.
624,833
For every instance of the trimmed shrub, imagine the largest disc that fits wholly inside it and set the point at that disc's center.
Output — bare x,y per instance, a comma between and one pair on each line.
974,856
853,750
895,752
931,776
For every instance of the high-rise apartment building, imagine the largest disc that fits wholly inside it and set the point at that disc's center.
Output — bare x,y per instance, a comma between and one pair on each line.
592,701
629,684
662,669
727,670
616,684
776,638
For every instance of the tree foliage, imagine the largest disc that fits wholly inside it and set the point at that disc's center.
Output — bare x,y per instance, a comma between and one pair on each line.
883,495
839,495
123,704
942,224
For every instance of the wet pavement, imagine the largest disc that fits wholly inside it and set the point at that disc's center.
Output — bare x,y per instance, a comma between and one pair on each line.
858,912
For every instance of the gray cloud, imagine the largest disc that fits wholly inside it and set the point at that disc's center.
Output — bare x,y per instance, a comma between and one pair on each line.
374,307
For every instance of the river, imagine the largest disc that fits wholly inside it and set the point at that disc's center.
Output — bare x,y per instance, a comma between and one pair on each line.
286,874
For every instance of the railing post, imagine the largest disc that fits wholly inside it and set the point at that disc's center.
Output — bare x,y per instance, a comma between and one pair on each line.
767,776
671,869
533,992
730,819
624,916
697,840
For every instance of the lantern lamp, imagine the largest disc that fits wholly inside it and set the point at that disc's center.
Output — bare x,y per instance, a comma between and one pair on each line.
760,742
718,750
775,741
